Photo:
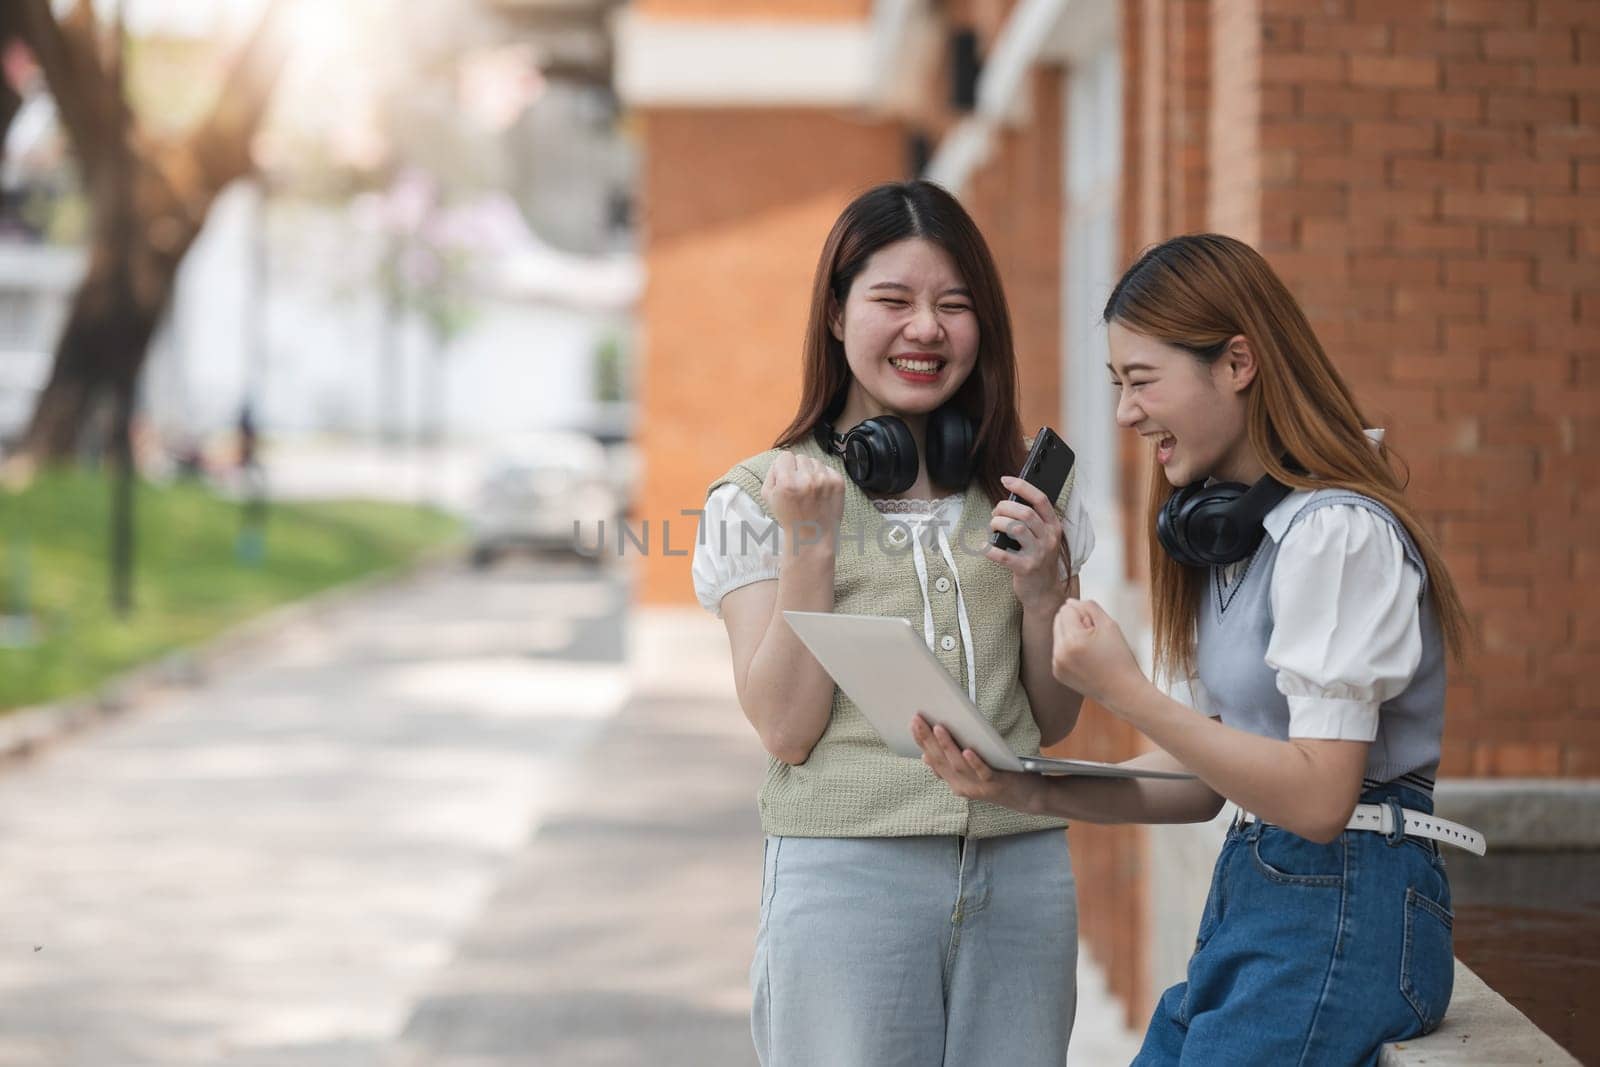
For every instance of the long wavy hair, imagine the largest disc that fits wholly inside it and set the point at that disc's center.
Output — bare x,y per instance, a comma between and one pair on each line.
1199,291
879,217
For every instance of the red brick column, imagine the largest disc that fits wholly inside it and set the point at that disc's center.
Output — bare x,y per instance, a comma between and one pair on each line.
736,205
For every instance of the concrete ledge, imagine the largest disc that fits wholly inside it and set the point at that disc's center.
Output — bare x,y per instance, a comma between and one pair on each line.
1480,1028
1525,814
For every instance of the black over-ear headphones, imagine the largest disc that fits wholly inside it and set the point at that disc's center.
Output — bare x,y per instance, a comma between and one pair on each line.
1213,525
880,454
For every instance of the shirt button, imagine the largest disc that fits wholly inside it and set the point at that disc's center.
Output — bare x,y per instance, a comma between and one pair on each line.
943,585
947,642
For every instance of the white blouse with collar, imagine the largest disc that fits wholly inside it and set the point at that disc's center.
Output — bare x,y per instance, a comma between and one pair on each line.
1357,642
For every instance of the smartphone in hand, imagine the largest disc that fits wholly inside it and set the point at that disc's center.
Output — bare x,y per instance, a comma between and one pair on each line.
1049,462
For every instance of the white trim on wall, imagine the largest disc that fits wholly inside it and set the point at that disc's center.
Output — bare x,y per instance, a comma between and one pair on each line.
1038,31
961,152
697,63
1018,46
1091,174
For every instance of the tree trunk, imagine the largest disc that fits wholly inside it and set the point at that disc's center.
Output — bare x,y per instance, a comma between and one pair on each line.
123,475
105,342
391,357
10,101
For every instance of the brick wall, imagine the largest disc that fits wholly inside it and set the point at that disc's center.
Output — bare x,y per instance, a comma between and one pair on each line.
1188,113
1429,179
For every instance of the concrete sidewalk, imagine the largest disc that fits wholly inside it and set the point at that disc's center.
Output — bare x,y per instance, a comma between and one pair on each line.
264,867
622,933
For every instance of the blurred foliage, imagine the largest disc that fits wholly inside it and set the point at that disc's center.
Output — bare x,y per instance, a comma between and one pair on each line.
189,584
611,371
173,81
59,213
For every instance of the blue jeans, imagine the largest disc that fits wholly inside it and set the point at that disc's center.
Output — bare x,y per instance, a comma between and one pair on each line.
915,951
1312,954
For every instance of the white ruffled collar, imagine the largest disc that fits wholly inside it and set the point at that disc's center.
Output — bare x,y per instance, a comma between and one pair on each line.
915,505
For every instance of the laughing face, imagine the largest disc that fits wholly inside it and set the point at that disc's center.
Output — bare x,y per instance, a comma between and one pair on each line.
1192,411
909,331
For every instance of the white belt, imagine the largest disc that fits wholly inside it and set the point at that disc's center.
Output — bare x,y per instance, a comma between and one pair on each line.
1379,818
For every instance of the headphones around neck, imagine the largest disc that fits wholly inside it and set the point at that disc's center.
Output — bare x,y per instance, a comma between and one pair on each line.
1213,525
880,454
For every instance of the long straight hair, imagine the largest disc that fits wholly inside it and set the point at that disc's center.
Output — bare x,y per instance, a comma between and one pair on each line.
879,217
1199,291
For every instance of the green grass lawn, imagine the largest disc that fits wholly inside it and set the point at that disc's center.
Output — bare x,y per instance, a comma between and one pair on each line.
189,580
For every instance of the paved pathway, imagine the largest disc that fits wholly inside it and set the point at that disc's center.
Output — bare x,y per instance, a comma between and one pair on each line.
266,869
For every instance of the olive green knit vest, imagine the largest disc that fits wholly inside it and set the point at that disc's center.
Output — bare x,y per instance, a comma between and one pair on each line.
852,785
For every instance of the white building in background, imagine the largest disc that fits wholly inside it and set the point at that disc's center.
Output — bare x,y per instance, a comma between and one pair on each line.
300,330
36,286
305,336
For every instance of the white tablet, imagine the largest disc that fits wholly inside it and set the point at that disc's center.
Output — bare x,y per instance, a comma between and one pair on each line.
888,671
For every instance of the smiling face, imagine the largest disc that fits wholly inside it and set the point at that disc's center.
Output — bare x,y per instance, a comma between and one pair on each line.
909,330
1194,412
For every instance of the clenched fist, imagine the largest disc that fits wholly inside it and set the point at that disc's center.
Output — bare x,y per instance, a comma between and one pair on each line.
1091,655
806,496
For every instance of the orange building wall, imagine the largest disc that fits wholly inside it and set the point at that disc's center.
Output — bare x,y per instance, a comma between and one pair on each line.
736,205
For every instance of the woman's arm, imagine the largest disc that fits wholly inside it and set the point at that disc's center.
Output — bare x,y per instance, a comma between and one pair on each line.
1085,799
1055,706
1309,787
784,691
1035,578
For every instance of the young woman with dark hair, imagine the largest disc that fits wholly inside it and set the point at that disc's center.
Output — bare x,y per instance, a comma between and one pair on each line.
901,924
1296,591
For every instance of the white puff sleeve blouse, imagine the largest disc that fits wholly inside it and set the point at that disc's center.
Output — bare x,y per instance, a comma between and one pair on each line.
1357,642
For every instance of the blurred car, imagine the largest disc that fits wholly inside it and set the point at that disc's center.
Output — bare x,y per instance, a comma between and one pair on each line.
543,492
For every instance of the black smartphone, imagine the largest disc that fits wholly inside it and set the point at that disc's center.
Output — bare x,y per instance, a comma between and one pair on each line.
1049,462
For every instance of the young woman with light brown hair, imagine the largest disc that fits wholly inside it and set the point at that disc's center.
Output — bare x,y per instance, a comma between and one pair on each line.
1297,592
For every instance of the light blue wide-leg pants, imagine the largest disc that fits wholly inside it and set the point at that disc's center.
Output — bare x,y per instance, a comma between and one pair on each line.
916,951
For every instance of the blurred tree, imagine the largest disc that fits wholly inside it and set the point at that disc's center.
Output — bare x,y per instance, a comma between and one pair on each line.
149,194
433,253
10,99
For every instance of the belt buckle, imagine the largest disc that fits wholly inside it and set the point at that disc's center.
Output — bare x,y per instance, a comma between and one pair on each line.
1392,821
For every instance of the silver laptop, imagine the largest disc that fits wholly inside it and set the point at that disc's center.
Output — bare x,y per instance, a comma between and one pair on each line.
884,666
